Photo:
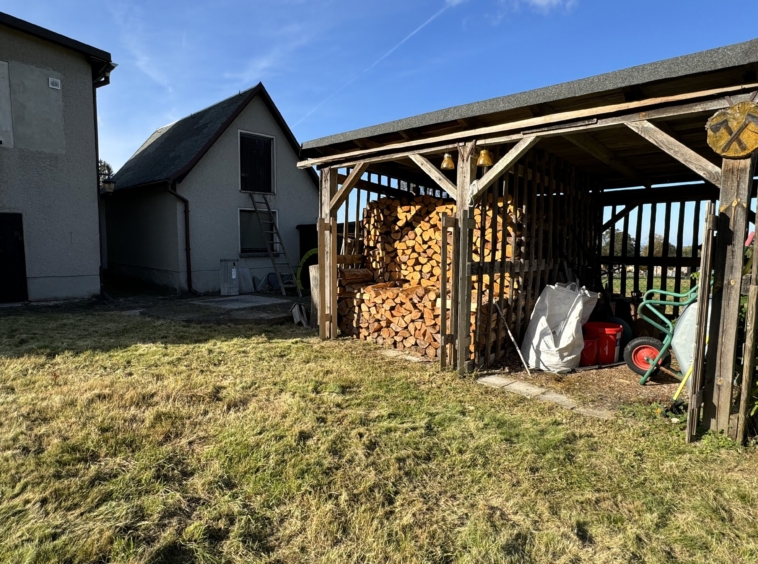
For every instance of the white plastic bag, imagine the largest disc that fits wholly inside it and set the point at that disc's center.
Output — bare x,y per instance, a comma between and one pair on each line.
553,340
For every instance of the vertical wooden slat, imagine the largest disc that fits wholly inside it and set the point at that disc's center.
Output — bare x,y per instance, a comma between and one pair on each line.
504,260
695,230
563,213
612,251
481,233
637,246
493,191
520,289
665,246
651,246
679,246
574,221
443,292
454,290
357,228
328,283
552,242
624,245
543,189
333,325
322,329
531,177
748,368
703,303
466,174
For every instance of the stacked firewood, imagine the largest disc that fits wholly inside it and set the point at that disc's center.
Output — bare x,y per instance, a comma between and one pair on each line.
394,301
401,240
404,318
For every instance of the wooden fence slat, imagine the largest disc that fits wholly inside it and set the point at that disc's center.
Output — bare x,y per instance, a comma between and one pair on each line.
679,247
651,244
665,244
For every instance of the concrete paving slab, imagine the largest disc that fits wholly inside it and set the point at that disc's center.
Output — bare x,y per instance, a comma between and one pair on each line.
495,381
524,389
240,302
557,399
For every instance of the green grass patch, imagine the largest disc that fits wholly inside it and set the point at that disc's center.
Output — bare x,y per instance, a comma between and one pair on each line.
130,439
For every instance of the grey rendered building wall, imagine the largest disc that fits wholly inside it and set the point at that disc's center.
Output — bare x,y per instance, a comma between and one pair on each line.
49,176
143,234
213,189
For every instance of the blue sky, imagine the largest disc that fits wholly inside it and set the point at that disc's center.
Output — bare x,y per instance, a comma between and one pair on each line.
335,65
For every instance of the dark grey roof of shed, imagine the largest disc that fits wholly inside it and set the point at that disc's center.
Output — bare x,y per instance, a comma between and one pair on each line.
705,61
171,152
57,38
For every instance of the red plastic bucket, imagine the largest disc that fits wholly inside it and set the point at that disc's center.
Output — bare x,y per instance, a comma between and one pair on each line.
608,337
589,352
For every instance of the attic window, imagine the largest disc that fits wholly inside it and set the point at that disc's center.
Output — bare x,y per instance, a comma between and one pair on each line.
256,163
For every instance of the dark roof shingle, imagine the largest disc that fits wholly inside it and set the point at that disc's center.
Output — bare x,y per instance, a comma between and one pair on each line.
172,150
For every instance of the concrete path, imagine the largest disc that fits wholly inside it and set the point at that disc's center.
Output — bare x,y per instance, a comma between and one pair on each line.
531,391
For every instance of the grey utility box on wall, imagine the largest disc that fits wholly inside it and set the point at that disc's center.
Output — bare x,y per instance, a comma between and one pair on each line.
230,279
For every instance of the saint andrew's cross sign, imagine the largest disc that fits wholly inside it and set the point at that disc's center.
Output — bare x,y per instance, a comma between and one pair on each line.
733,132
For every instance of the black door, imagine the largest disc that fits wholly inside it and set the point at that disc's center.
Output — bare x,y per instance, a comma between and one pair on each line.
12,261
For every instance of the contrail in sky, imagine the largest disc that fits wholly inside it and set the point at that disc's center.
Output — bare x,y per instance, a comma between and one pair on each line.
379,60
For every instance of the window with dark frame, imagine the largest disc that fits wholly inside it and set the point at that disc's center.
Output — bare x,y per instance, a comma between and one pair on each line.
252,237
256,160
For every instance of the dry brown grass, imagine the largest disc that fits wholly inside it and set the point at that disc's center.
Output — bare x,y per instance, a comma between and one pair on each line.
129,439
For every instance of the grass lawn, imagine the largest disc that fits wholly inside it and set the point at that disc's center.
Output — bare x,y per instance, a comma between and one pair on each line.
131,439
685,284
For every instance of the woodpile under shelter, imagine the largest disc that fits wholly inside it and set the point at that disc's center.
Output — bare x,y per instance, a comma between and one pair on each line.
438,232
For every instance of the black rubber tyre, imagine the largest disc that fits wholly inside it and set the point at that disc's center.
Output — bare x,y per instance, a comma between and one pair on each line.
640,347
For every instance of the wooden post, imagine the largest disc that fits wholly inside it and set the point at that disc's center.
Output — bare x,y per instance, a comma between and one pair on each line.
327,255
748,364
736,181
466,174
749,361
443,292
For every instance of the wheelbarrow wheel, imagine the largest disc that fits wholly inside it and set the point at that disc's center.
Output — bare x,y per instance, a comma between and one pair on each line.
640,349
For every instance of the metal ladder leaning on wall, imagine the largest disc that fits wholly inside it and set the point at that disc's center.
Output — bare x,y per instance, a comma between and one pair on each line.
275,245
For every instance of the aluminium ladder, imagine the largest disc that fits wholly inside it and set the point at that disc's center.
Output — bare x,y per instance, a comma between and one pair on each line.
274,245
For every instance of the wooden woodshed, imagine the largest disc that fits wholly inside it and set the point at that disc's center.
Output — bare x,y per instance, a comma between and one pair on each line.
438,232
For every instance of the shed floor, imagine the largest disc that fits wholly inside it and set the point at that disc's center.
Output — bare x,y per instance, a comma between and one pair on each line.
609,388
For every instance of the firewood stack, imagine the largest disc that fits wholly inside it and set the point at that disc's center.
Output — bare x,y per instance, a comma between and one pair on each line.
395,300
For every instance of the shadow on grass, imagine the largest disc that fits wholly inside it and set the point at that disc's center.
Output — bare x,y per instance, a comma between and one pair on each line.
98,327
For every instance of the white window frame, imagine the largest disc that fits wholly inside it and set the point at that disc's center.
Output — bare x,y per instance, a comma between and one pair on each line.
256,254
240,133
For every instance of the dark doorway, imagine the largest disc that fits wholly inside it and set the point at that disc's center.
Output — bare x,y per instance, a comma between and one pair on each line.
12,261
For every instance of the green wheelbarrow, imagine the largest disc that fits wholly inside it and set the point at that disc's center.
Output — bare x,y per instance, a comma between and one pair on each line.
647,355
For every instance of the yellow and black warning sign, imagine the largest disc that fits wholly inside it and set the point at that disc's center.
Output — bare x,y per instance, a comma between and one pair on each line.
733,132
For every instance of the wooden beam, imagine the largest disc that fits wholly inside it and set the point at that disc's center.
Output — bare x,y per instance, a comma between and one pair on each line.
603,154
520,125
349,184
678,151
435,174
623,213
502,166
686,193
691,109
